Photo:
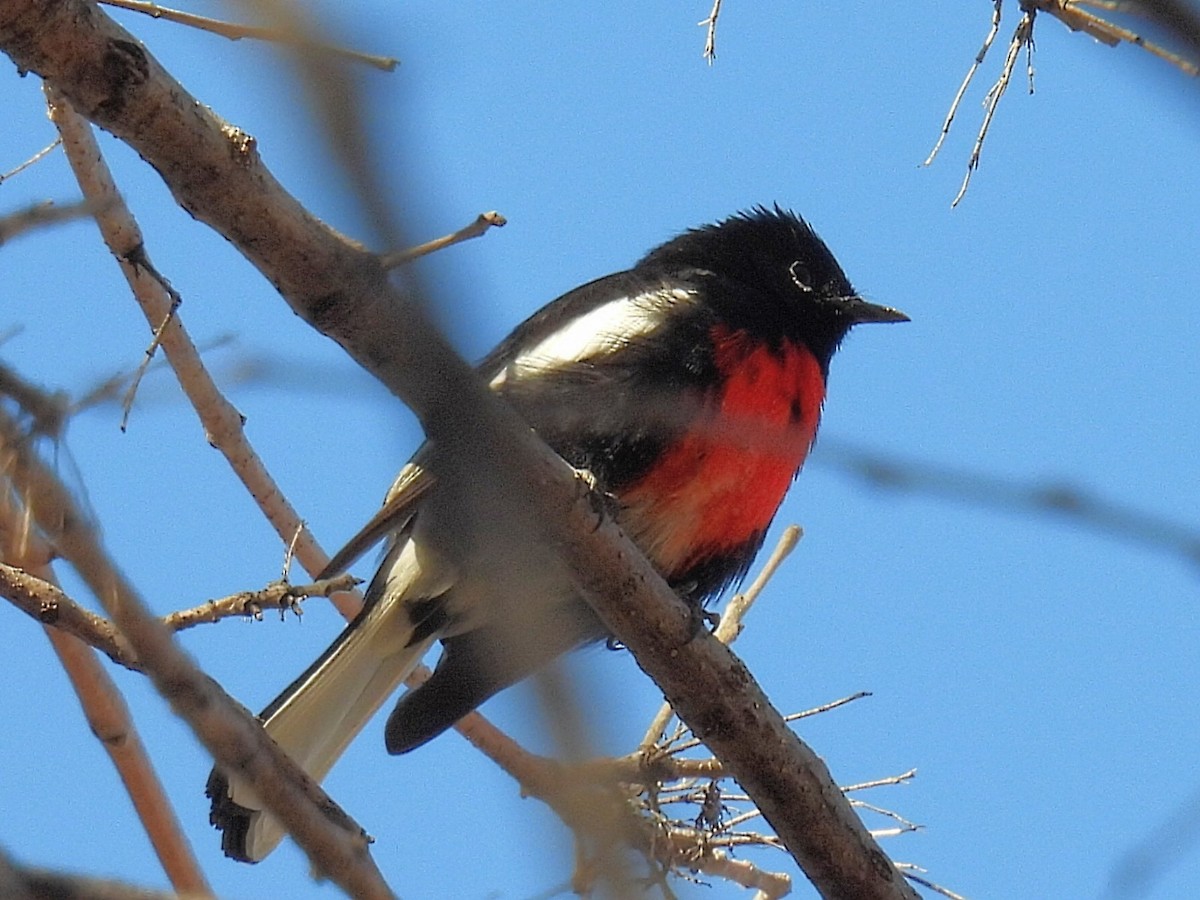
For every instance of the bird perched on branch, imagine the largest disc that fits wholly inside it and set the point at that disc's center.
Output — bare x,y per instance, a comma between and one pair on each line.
689,388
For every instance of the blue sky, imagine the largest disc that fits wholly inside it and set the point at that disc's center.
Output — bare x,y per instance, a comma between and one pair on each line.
1039,676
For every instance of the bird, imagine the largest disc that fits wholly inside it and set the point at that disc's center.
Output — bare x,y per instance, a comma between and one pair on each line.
687,388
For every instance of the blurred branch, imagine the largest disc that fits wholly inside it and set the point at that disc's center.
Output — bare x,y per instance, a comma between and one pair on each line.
48,411
223,424
981,489
1156,852
235,32
29,883
39,215
1180,18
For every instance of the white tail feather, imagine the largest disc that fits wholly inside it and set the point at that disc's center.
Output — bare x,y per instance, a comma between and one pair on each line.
326,711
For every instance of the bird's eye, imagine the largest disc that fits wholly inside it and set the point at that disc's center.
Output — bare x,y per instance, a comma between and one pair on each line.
801,277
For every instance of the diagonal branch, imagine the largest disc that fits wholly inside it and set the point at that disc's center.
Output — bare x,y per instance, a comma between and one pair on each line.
106,713
336,845
223,425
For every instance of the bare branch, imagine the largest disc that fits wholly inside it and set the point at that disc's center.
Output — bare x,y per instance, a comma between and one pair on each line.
912,873
17,170
235,32
140,262
105,709
46,603
223,424
483,223
710,37
1022,37
902,778
997,5
1168,12
277,595
334,843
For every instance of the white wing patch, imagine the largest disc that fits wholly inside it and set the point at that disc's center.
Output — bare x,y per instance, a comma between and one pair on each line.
604,330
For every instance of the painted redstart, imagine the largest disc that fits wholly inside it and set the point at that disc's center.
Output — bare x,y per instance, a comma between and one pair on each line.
689,387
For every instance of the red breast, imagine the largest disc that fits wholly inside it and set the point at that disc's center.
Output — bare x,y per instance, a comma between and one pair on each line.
718,486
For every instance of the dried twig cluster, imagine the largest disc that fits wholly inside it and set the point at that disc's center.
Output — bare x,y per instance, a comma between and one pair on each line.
1074,15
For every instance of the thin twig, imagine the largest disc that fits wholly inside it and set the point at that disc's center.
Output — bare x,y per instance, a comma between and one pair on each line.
962,88
235,32
902,778
826,707
911,873
905,824
1070,14
4,176
1021,37
730,626
140,262
483,223
710,38
683,746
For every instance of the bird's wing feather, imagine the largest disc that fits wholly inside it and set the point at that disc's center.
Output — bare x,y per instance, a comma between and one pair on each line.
397,510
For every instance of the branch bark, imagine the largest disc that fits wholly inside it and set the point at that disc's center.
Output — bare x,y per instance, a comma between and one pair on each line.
214,172
335,844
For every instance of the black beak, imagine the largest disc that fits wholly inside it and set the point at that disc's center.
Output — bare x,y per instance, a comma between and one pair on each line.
859,310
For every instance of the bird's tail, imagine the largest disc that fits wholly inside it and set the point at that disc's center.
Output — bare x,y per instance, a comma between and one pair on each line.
316,717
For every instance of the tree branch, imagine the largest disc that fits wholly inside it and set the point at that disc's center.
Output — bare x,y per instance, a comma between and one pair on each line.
107,714
335,844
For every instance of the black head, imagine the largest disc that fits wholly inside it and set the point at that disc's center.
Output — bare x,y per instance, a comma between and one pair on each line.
791,285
